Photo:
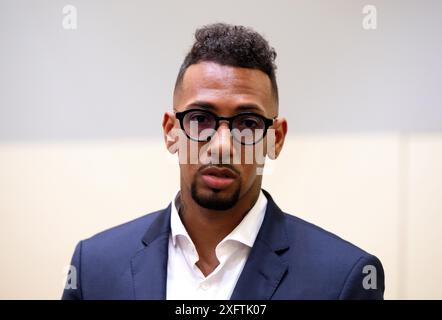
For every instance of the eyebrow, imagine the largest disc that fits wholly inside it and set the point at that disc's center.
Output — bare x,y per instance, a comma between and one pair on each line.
241,107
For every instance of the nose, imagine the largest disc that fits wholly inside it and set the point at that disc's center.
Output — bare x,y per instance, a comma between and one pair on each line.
221,144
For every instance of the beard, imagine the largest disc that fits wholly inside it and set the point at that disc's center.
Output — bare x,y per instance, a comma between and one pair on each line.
216,199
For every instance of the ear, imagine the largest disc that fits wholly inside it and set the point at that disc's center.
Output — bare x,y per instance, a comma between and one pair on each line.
168,124
280,127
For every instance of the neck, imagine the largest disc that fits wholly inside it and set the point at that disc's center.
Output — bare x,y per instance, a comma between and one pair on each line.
216,224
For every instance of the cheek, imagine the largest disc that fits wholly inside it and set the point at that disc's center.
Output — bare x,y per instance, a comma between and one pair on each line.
188,152
252,156
188,172
248,175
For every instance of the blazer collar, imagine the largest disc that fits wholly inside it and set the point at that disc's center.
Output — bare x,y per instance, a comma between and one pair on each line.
265,267
149,265
259,279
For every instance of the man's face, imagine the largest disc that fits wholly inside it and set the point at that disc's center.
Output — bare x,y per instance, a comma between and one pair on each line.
225,91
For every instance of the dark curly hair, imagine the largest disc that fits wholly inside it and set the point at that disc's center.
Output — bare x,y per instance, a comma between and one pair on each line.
231,45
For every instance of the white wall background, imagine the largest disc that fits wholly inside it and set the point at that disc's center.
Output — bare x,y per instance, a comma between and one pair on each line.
80,126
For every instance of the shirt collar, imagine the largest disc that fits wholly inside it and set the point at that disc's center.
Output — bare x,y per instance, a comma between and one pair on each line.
176,225
245,232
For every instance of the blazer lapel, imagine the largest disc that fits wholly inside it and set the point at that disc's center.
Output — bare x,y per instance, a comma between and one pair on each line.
265,267
149,265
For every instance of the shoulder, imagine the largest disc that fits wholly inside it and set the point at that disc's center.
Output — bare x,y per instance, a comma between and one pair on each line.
337,266
121,241
131,229
102,261
314,238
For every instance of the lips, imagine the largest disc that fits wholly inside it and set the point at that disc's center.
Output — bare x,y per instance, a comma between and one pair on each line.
218,178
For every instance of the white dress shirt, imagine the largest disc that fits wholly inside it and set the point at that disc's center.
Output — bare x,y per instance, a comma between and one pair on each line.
186,281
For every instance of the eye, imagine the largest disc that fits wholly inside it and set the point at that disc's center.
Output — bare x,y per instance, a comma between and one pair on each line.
199,117
248,123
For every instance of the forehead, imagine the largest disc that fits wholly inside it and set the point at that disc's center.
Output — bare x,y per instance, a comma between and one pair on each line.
224,87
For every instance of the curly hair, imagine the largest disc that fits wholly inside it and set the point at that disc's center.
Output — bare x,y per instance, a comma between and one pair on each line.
232,45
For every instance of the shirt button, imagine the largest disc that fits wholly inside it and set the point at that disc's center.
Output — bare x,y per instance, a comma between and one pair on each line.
205,286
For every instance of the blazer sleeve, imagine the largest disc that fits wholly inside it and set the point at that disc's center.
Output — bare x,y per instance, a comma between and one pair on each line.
365,280
72,290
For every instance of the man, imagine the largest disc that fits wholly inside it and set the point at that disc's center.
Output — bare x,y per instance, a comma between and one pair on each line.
222,236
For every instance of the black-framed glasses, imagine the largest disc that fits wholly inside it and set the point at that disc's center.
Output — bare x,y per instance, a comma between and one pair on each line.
246,128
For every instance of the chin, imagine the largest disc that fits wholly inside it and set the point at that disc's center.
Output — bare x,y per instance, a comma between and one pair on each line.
214,199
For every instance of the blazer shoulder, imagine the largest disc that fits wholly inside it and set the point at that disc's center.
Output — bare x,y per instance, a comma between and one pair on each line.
103,260
126,237
307,233
339,267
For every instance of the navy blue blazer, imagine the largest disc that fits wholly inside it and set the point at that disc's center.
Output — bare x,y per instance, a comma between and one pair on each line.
290,259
